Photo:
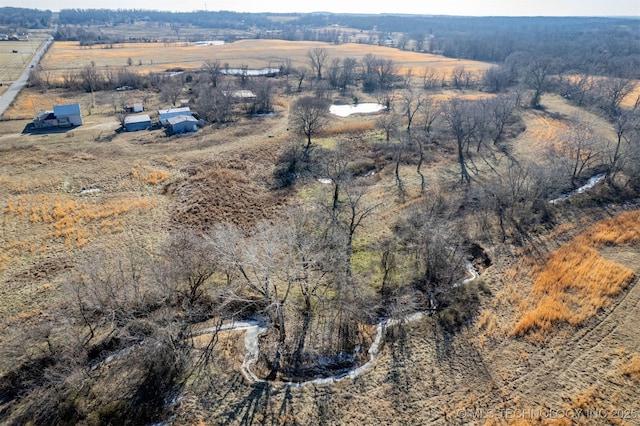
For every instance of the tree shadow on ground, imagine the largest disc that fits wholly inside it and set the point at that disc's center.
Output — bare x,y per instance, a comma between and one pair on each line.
255,403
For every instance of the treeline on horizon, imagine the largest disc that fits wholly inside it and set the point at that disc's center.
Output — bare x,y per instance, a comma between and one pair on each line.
21,18
597,45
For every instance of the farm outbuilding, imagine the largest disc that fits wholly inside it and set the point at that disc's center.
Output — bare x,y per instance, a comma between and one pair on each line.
134,123
68,115
166,114
61,116
134,108
181,124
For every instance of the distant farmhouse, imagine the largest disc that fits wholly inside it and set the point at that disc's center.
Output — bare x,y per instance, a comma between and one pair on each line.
14,37
61,116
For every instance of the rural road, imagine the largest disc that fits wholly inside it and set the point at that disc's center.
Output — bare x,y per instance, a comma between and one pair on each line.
7,98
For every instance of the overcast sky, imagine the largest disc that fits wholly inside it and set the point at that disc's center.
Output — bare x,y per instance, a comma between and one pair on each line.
433,7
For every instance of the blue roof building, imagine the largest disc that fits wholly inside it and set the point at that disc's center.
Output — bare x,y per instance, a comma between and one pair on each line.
68,115
134,123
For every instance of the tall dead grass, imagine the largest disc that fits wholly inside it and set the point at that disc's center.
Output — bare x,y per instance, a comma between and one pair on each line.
69,221
576,282
152,177
632,368
350,127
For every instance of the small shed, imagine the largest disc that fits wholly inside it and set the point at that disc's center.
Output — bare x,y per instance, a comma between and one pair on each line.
68,115
134,108
134,123
166,114
181,124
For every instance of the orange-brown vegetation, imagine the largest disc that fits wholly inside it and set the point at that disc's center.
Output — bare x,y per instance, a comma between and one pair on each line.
340,128
546,130
575,281
67,220
632,368
152,177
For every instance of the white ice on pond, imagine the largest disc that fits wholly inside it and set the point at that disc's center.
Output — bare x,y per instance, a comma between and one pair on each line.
347,110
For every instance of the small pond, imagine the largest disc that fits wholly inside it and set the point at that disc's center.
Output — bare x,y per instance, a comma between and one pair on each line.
363,108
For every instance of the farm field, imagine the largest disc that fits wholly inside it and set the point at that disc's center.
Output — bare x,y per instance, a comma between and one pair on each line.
158,57
549,325
12,64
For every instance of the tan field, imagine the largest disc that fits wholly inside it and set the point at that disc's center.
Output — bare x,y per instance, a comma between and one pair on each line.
158,57
12,64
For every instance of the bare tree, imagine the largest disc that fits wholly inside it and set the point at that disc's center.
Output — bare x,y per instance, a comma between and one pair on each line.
611,92
216,104
578,149
317,60
410,102
213,71
172,88
190,263
388,122
263,102
419,41
497,79
500,110
537,79
430,79
378,73
460,120
627,128
461,78
333,73
91,80
309,115
428,122
348,75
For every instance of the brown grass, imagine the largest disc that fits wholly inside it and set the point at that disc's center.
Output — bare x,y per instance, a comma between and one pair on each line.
576,282
350,127
66,220
152,177
632,368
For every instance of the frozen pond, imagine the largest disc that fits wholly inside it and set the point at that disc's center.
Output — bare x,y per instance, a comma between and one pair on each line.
347,110
250,72
209,43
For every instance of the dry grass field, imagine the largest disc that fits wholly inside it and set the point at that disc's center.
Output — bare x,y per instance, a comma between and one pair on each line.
581,297
12,64
158,57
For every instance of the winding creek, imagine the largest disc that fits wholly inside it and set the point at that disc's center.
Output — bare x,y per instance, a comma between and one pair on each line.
587,186
254,328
